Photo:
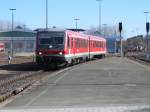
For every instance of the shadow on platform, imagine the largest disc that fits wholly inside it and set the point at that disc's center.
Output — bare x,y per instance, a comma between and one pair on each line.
29,66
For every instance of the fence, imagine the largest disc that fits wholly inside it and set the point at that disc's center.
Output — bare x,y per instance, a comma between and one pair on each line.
19,44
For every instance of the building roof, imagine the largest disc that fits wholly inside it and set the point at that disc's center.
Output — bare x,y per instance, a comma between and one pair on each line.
17,34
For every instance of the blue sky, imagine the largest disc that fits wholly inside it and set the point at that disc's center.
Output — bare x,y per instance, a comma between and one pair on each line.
63,12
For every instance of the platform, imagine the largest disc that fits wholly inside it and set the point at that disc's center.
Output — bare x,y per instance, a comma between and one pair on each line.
112,81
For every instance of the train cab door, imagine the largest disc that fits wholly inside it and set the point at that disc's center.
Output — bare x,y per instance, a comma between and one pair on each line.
68,45
89,48
73,46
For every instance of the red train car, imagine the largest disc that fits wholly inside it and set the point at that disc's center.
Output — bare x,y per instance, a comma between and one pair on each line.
56,47
2,46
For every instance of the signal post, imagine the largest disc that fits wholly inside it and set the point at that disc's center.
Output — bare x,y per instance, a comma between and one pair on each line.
120,31
147,40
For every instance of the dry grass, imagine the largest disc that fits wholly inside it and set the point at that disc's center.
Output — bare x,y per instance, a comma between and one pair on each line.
15,60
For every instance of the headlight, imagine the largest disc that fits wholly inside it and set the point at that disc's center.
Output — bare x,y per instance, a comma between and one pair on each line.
60,53
40,53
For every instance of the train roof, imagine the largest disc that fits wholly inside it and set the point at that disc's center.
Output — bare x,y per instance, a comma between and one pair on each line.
59,29
51,29
72,32
97,38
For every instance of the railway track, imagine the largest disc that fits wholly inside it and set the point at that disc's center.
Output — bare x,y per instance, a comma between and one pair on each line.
11,86
15,85
140,60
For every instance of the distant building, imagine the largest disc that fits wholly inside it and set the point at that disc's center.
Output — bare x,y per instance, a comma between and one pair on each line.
2,47
111,44
22,41
137,43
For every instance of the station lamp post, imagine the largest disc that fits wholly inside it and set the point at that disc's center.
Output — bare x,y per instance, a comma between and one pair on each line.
100,10
120,31
12,11
46,14
146,14
76,22
105,26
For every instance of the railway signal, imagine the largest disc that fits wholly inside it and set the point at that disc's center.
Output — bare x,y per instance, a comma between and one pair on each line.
147,31
120,31
147,27
120,27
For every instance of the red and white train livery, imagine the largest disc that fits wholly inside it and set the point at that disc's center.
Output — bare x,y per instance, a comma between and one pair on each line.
2,46
56,47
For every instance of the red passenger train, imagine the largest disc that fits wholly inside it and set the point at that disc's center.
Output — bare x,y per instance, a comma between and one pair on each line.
56,47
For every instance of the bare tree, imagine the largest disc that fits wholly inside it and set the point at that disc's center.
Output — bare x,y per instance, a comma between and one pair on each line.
6,25
106,30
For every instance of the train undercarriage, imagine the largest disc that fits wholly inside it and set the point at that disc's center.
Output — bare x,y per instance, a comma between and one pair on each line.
55,62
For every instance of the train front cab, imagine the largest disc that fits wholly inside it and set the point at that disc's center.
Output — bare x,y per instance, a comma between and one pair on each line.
50,48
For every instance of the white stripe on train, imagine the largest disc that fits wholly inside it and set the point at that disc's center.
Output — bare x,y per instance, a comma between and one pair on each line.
84,54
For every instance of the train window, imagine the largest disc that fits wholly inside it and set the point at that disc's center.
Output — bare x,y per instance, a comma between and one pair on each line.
51,40
45,40
57,40
100,44
68,42
71,42
82,43
79,43
85,43
96,44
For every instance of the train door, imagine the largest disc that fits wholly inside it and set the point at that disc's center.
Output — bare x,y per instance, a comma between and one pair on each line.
71,50
89,49
73,46
68,45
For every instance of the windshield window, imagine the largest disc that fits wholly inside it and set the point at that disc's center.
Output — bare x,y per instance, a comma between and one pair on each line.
51,38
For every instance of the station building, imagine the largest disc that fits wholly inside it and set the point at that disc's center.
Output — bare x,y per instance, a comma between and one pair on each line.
111,44
20,41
